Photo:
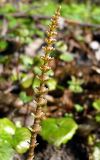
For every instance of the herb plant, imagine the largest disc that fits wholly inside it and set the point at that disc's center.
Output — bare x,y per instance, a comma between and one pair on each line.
62,129
41,90
13,139
75,85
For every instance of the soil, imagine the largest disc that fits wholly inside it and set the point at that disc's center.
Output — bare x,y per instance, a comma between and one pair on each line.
74,150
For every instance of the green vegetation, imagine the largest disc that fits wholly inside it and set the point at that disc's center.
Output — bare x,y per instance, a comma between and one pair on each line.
96,104
58,131
25,30
12,139
75,85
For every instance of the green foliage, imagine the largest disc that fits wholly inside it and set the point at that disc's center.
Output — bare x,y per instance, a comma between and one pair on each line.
37,70
24,29
9,8
75,85
12,21
26,60
3,44
37,61
6,151
66,57
74,11
48,8
26,81
21,140
96,152
97,117
7,127
96,104
12,139
78,108
61,46
36,83
50,72
91,139
24,97
58,131
81,12
52,83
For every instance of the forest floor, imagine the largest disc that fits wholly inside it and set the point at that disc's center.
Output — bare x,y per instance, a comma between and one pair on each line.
77,78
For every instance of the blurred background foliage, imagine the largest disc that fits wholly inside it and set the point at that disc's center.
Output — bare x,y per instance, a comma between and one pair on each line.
20,21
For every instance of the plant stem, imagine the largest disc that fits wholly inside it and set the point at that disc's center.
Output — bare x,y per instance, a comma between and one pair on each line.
41,91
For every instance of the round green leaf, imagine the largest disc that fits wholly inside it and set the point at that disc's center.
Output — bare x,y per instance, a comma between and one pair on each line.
66,57
27,81
36,82
7,127
96,104
58,131
52,83
21,140
78,108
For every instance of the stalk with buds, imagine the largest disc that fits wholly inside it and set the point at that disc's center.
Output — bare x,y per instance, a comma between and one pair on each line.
41,91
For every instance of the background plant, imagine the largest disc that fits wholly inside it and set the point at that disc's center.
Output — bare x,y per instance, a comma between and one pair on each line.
13,139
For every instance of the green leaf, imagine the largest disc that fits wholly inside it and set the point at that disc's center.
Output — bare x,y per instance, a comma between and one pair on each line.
25,32
51,83
37,70
96,104
75,85
50,72
21,140
97,117
96,152
76,88
6,138
3,45
61,46
78,108
24,97
66,57
27,81
37,61
12,137
36,83
39,33
9,8
7,127
12,22
58,131
6,151
26,60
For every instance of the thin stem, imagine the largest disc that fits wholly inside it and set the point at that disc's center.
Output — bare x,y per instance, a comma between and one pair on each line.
41,91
